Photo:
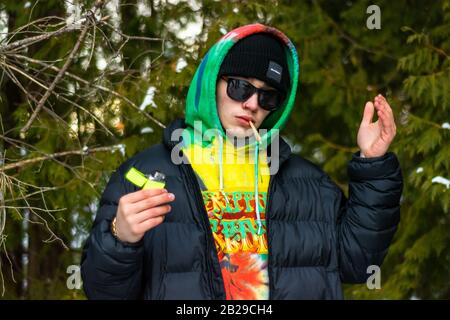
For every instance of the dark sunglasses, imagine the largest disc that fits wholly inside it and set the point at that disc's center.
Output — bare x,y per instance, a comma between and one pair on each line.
240,90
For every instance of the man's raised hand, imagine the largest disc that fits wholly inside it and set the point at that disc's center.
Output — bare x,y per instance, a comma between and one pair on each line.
374,138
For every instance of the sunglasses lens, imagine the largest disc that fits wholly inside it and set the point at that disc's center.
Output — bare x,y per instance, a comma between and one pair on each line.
269,100
239,90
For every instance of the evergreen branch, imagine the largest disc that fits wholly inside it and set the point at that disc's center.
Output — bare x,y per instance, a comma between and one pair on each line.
3,245
338,146
32,98
100,87
24,74
32,208
128,37
9,181
45,222
431,123
62,71
58,96
333,145
2,212
439,50
29,195
20,142
28,41
85,110
55,155
347,37
21,44
428,42
61,97
6,180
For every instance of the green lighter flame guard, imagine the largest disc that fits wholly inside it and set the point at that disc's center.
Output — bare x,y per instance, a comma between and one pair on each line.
153,185
139,179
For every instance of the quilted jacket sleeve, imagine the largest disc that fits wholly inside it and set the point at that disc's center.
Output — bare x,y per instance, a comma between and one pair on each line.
368,219
111,269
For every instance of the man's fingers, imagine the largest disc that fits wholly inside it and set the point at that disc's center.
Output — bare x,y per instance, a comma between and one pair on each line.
383,119
368,113
384,102
152,213
149,224
388,108
141,195
381,103
151,202
387,124
382,98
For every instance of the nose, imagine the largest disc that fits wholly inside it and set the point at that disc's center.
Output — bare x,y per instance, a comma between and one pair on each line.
252,102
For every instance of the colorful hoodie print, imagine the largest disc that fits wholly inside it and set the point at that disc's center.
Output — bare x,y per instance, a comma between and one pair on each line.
232,178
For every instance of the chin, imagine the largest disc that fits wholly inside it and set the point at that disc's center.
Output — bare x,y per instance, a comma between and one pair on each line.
238,132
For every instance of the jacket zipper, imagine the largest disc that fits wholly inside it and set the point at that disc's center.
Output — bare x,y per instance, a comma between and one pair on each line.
209,236
269,269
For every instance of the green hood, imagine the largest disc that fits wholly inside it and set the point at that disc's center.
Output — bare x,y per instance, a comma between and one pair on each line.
201,99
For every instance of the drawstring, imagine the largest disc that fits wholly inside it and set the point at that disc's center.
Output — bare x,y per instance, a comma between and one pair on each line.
221,169
258,216
220,163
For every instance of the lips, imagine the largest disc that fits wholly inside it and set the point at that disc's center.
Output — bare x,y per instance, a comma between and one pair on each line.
243,121
245,118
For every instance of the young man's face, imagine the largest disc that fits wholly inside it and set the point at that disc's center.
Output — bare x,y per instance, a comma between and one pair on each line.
235,115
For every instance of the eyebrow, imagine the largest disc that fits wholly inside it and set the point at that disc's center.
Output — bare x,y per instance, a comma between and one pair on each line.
264,86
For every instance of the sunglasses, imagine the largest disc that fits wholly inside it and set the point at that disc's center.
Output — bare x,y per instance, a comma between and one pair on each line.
240,90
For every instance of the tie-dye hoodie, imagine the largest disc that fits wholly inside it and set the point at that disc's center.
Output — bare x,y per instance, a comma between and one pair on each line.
232,178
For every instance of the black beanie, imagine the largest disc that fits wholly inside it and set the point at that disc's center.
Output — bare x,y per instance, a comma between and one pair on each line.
261,56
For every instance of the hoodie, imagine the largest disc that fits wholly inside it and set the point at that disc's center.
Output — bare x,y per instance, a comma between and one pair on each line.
232,177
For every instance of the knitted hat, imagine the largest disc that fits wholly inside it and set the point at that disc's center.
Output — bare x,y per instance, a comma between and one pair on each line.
261,56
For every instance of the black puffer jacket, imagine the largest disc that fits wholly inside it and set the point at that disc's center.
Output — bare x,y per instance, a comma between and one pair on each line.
317,238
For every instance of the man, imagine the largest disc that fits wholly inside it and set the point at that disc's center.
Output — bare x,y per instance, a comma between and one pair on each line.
203,236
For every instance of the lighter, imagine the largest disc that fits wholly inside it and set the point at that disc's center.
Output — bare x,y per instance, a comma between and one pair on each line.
153,181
